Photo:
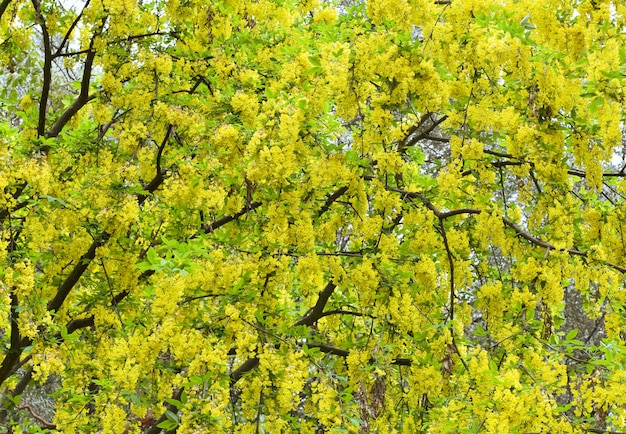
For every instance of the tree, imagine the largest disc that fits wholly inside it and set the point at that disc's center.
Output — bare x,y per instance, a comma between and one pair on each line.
294,216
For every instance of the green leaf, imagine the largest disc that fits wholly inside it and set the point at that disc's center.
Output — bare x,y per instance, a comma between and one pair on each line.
311,352
176,403
314,70
571,335
167,425
144,266
172,416
315,61
153,258
595,104
194,381
67,336
52,199
132,397
524,23
563,408
612,74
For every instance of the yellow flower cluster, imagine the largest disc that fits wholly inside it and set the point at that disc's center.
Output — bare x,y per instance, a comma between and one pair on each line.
246,106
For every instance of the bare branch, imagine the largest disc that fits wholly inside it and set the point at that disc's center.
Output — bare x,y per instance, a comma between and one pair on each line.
446,214
70,30
329,349
498,153
451,267
413,138
603,431
209,228
331,199
574,252
314,314
521,232
245,367
40,419
349,254
24,381
71,53
345,312
583,174
47,70
82,99
317,311
15,349
147,35
159,177
3,7
170,130
574,172
80,323
421,197
105,127
77,272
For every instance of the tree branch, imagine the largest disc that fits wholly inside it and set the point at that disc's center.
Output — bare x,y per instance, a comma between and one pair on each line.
47,70
345,312
583,174
209,228
71,29
18,192
308,319
317,311
80,323
40,419
71,53
77,272
154,429
603,431
498,153
348,254
574,172
159,177
521,232
147,35
245,367
15,349
413,137
417,195
82,99
451,266
446,214
329,349
3,7
331,199
573,252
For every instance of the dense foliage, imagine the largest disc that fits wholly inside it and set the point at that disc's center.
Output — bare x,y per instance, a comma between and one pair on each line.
299,216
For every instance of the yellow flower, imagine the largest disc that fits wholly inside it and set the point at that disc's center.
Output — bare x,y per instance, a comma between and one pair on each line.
26,102
327,16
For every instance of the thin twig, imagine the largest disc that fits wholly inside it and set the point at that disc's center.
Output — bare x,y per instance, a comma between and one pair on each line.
36,416
71,29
